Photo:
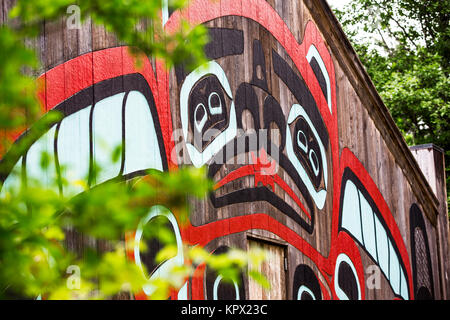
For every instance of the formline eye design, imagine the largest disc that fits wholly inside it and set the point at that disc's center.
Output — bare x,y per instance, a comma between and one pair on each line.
165,268
307,154
346,282
210,74
215,103
200,121
302,144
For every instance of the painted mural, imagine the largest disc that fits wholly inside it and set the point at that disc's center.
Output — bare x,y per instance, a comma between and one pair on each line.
262,116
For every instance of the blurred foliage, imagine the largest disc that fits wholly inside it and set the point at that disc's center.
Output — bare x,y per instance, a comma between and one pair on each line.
134,22
405,47
36,259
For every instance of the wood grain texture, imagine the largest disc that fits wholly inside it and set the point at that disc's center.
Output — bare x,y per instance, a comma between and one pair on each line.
363,148
272,269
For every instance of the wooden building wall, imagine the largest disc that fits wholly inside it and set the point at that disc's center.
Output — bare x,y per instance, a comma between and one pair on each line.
334,194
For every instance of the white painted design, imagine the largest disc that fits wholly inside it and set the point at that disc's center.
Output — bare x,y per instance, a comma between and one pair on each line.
183,292
199,124
217,109
303,289
73,151
351,219
314,162
141,142
394,269
382,247
216,288
319,196
164,270
107,136
368,226
12,183
165,11
359,220
403,286
200,158
46,177
339,292
302,144
313,52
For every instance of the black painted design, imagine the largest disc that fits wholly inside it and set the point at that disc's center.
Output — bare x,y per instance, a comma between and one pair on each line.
89,97
300,90
255,98
304,276
319,75
307,150
272,113
420,256
259,66
347,282
153,244
246,99
207,109
225,290
222,42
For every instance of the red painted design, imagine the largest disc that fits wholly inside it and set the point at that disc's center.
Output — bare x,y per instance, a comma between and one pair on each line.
82,72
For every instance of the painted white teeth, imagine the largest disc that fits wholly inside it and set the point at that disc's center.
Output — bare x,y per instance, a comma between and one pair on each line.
107,135
351,217
34,171
73,150
144,152
13,181
368,226
359,219
394,269
73,147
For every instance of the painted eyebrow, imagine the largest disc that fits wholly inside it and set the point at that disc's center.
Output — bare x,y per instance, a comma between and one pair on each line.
301,92
223,42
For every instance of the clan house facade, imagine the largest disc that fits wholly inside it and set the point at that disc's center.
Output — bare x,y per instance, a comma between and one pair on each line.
306,159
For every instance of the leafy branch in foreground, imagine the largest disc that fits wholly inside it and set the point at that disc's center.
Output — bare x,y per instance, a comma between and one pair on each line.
37,222
34,223
405,47
134,22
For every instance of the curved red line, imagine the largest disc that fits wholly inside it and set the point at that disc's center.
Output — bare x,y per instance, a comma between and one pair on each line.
204,234
261,12
249,170
348,159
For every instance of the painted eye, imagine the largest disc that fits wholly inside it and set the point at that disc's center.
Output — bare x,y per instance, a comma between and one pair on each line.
305,151
200,116
346,282
225,291
207,122
302,141
306,284
314,162
219,289
158,220
304,293
214,103
152,243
